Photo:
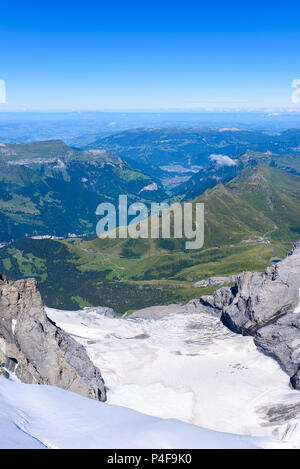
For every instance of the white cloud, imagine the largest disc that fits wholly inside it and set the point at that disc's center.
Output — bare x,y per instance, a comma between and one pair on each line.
222,160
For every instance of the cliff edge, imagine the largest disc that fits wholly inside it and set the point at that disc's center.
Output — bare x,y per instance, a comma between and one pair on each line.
36,350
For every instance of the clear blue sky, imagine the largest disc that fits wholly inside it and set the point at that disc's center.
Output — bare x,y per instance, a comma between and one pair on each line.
149,54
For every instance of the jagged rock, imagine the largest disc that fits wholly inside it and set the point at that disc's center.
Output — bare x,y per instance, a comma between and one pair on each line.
295,380
212,281
266,306
207,300
281,340
261,299
4,373
218,300
196,306
295,247
36,350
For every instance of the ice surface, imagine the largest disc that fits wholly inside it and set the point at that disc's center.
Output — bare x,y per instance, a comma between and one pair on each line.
179,381
189,367
33,416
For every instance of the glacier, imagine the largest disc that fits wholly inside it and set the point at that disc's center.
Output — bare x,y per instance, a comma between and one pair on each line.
38,417
179,380
190,367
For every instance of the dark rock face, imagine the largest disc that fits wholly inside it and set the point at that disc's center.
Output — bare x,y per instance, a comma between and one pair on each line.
281,340
36,350
266,306
295,380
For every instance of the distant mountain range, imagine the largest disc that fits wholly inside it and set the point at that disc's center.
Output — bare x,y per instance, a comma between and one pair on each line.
188,147
174,154
82,128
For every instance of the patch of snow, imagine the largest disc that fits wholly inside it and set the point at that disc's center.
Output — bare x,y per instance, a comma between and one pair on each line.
14,322
150,187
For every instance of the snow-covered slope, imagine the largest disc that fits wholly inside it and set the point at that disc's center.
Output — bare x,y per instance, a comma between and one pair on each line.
169,380
33,416
189,367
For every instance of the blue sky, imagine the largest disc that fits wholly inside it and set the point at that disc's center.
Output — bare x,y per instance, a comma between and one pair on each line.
149,55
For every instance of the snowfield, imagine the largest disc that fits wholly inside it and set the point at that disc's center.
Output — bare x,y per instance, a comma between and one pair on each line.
177,381
189,367
37,417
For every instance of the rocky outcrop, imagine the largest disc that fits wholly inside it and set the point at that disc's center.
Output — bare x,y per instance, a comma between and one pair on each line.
36,350
261,299
266,306
212,281
218,300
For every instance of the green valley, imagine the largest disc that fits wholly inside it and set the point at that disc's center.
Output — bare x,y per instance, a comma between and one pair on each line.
248,222
50,188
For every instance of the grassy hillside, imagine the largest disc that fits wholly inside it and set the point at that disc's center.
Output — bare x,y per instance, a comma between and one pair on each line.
50,188
274,193
208,176
261,200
